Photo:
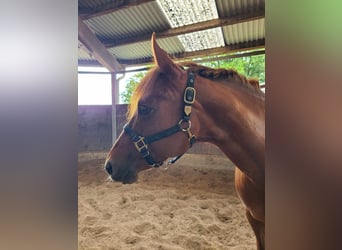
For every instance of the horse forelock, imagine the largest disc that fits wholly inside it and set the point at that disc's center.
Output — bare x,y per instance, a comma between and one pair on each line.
147,86
137,93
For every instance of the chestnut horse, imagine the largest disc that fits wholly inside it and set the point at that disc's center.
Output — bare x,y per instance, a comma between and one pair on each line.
173,107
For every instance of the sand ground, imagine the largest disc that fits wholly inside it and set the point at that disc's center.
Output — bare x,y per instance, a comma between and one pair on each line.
190,205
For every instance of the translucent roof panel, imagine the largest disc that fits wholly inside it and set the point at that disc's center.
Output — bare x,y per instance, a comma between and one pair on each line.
200,40
180,13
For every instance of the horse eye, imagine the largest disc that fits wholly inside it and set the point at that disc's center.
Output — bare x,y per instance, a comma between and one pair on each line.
144,110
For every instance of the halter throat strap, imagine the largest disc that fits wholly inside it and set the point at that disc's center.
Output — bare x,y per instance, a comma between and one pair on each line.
184,125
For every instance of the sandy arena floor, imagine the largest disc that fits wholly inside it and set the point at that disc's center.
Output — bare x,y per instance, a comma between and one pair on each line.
191,205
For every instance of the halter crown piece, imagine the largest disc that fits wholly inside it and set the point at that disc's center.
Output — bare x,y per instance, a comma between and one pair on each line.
184,125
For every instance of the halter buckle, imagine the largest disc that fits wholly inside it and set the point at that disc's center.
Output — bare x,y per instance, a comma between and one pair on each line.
141,145
189,95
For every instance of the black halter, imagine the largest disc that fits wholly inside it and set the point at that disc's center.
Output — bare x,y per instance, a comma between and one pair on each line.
184,125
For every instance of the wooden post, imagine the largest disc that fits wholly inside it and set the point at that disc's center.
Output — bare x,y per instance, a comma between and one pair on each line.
115,94
89,40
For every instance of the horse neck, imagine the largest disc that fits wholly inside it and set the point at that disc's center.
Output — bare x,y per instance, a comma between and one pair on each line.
232,118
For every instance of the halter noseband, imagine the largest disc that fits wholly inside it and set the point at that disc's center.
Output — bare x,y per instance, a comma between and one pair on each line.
141,142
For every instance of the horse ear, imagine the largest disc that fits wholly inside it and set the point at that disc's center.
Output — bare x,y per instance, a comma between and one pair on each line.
162,59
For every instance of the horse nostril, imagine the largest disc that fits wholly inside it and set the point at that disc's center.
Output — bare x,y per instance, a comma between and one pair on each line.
108,168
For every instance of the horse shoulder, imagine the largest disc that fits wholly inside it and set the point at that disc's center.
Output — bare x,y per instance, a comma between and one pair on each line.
251,194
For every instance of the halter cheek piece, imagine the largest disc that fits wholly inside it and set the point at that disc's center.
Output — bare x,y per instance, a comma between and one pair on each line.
184,125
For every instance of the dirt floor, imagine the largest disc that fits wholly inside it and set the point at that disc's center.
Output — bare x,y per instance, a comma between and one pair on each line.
191,205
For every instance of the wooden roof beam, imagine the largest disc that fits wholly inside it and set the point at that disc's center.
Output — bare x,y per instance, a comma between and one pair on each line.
234,48
231,49
93,45
109,8
189,28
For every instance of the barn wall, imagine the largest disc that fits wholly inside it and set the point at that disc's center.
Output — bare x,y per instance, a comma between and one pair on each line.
95,129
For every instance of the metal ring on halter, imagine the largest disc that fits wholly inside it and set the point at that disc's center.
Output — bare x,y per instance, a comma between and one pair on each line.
185,129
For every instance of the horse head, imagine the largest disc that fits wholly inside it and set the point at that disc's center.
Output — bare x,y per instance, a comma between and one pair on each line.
158,124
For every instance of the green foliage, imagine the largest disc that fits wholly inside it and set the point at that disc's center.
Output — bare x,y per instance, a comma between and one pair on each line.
251,66
130,87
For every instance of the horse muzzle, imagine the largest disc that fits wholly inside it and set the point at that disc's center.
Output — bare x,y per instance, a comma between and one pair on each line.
109,168
124,175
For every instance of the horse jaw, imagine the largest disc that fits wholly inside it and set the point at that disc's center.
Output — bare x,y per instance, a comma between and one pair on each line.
162,59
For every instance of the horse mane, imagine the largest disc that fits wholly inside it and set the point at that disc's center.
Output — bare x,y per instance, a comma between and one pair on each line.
221,75
254,83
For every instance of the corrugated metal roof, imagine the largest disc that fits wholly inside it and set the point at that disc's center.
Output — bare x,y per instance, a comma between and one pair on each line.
143,50
244,32
129,28
92,4
227,8
130,22
172,45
